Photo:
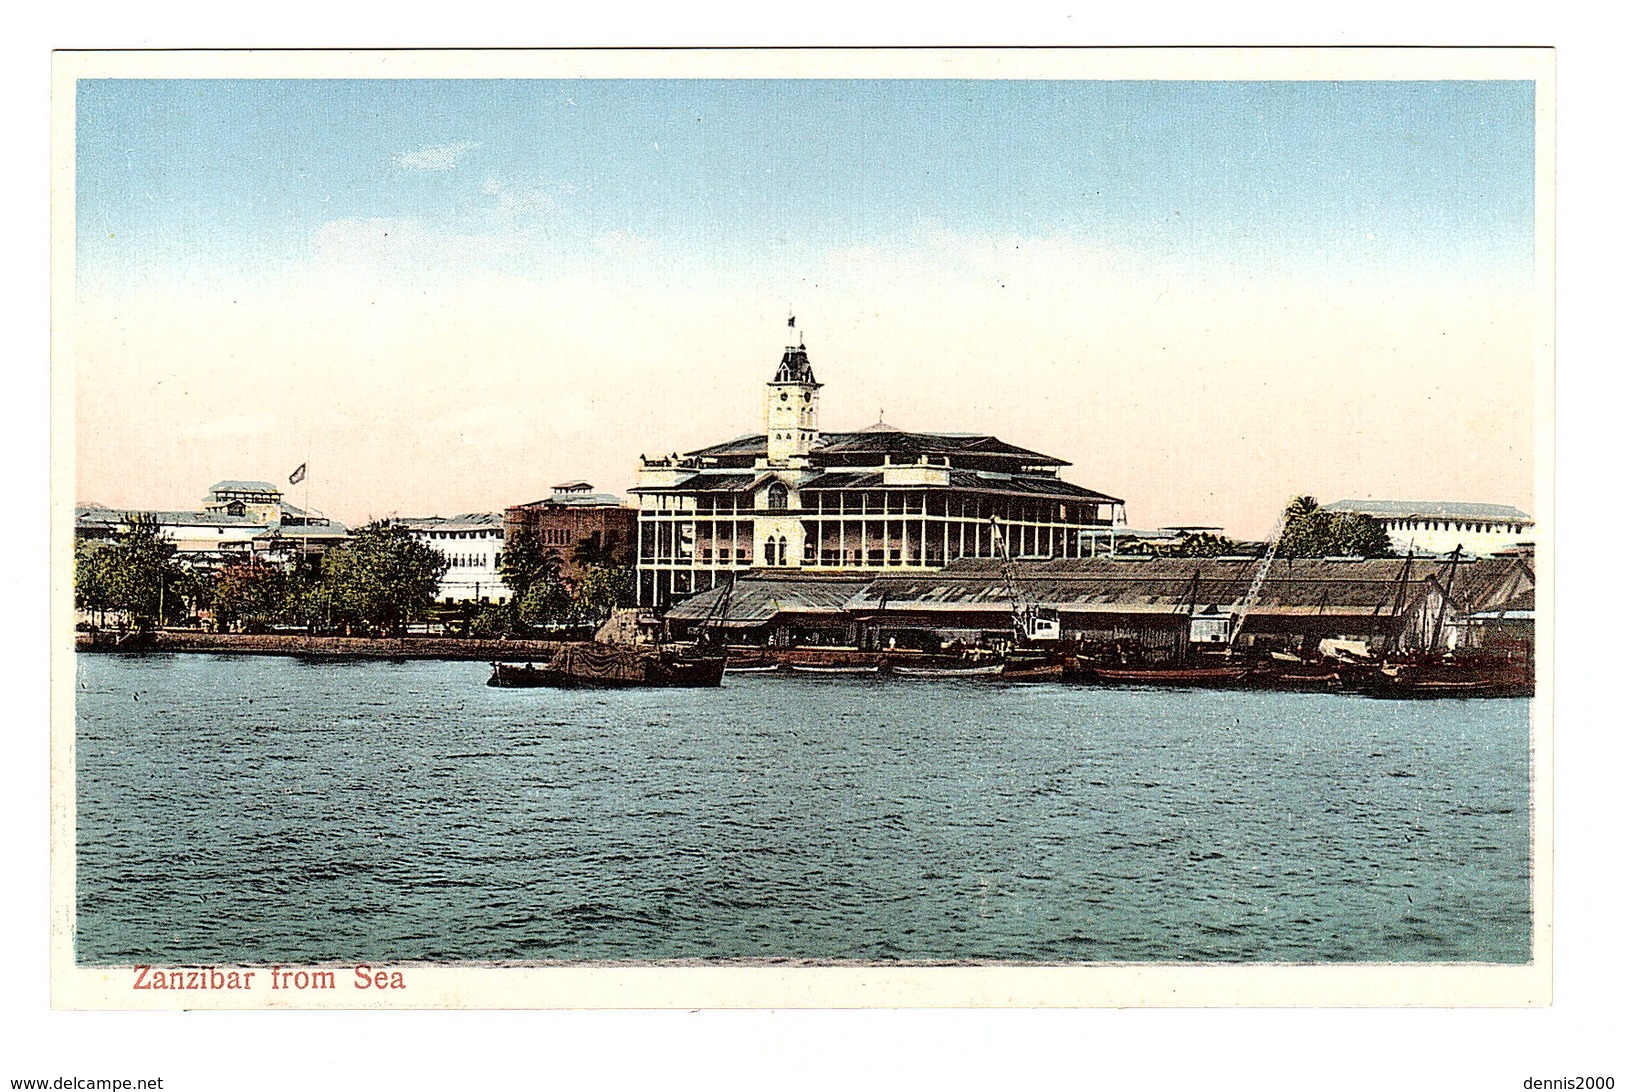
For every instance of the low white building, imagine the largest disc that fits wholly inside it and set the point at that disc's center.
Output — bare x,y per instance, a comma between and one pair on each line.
236,519
198,537
1438,527
472,544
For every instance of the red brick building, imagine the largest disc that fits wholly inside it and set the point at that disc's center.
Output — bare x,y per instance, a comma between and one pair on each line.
575,520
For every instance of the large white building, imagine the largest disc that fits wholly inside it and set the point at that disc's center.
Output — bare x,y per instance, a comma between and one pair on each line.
472,545
795,498
236,519
1439,527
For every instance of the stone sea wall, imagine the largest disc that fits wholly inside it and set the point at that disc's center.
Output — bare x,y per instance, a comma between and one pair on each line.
293,644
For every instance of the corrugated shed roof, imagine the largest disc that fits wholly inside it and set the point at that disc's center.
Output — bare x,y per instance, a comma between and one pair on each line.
114,517
321,529
1521,605
1163,585
1487,583
755,601
1458,510
468,521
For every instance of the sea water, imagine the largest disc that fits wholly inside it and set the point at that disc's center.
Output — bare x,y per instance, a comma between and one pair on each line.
235,809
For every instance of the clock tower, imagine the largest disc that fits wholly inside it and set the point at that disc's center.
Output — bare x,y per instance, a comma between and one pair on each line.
790,408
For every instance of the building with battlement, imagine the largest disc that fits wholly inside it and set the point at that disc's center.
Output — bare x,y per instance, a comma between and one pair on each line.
1438,527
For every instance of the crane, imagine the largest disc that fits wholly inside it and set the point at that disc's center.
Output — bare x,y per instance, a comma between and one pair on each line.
1240,608
1032,622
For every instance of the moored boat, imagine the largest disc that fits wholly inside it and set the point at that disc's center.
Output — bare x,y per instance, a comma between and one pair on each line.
1465,678
600,665
1168,675
949,672
834,669
1032,669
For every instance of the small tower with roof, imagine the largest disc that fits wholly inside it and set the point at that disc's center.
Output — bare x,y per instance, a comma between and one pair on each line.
790,407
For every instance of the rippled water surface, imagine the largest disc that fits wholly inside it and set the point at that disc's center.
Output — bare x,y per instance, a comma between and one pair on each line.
246,809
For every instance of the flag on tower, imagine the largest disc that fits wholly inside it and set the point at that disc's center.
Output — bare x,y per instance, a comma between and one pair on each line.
297,476
792,322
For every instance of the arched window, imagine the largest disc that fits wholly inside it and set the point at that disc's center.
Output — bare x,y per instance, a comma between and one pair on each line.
784,556
778,497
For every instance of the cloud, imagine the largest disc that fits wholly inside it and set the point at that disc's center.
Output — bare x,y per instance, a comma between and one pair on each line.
438,157
516,203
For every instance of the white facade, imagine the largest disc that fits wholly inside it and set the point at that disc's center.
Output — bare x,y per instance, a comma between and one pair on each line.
237,519
797,498
472,546
1439,527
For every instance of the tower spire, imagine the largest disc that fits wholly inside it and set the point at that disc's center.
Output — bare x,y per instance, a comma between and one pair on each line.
791,407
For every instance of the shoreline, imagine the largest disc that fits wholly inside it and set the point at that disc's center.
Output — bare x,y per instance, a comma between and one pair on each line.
336,648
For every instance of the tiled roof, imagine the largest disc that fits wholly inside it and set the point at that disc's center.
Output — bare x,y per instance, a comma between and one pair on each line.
888,441
756,600
469,521
705,483
1458,510
580,500
241,487
913,444
739,445
113,517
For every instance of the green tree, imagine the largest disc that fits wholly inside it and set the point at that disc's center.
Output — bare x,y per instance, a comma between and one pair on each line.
135,573
1204,544
382,577
93,577
1312,531
307,599
190,589
249,592
525,561
602,589
493,620
547,602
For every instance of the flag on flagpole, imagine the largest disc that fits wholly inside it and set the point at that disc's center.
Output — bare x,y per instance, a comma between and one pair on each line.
297,476
792,322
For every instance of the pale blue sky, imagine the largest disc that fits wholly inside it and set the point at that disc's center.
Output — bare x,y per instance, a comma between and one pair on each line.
1172,285
240,175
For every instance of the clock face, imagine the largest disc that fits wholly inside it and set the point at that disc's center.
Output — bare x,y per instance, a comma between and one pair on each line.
784,396
806,396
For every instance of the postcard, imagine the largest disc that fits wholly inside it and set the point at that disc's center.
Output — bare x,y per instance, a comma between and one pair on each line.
802,528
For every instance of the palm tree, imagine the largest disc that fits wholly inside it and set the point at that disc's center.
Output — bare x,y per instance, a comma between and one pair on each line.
1300,507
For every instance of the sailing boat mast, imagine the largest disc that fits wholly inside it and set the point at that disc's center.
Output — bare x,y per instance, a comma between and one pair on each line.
1449,580
1398,610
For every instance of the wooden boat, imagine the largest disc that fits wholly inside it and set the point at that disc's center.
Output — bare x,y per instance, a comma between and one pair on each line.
835,669
1458,680
1296,680
608,666
949,672
1170,675
753,669
1032,670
